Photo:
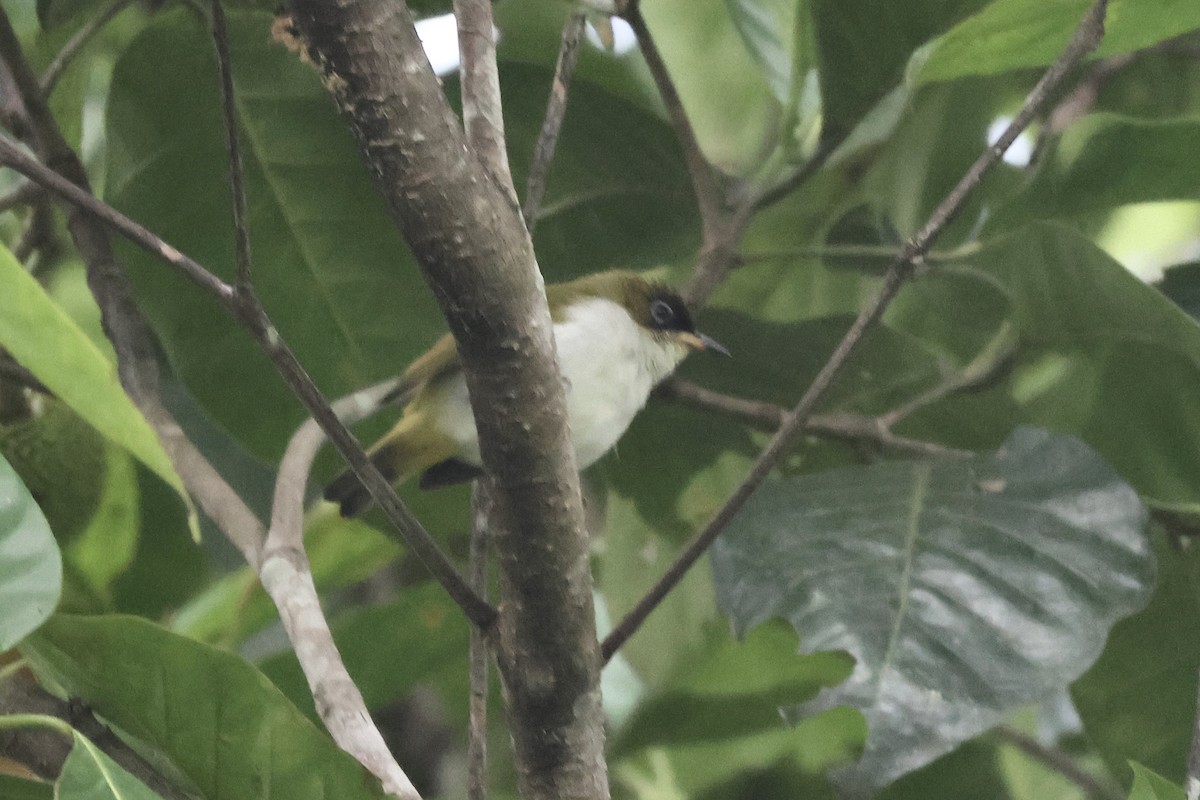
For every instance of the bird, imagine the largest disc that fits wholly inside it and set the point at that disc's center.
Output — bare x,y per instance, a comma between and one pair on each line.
617,334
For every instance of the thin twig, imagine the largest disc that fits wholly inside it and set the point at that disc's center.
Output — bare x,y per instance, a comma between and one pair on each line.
1060,762
483,116
770,416
76,44
709,196
477,729
245,307
1086,38
233,147
987,364
801,176
26,192
556,111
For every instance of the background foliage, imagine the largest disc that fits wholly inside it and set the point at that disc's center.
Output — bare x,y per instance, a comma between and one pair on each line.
960,592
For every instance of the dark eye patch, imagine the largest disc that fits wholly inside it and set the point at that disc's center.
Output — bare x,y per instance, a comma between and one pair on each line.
668,313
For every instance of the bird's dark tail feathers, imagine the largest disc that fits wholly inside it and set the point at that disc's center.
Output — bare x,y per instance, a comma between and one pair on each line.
347,490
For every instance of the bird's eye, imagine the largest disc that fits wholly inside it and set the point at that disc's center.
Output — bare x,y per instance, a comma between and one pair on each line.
662,313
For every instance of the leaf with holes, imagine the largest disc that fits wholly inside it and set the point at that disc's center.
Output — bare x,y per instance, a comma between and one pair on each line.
963,588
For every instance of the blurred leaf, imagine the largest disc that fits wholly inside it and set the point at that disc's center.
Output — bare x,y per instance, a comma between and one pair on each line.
52,13
1181,284
61,460
16,789
89,774
964,589
30,563
766,27
734,690
46,342
1150,649
219,720
1088,169
1148,785
970,770
107,546
864,45
727,97
425,642
1015,34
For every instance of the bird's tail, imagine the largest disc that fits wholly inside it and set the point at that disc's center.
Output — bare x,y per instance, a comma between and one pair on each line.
348,491
406,450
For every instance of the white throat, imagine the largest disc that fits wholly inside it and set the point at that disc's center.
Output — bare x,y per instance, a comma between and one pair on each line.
609,365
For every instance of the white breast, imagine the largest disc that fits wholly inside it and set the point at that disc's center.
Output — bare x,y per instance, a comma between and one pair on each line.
609,364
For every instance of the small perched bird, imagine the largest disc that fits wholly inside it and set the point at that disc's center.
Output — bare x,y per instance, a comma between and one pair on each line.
617,335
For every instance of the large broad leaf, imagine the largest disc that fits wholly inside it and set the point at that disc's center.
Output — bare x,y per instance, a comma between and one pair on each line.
964,588
218,720
1014,34
333,272
89,774
30,563
49,344
1156,647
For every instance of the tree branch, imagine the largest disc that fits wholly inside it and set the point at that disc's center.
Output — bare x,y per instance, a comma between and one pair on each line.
76,44
1087,38
483,115
709,197
769,416
44,754
556,111
476,255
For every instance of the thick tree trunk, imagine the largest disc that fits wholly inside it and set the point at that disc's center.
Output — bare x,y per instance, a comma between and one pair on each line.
470,239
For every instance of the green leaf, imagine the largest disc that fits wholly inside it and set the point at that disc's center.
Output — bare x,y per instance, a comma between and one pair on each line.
1154,648
49,344
30,563
865,44
964,589
1181,284
1016,34
89,774
17,789
734,690
727,97
1089,169
1148,785
218,720
766,28
52,13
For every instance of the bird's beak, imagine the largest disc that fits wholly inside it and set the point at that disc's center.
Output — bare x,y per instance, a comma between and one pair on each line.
700,341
